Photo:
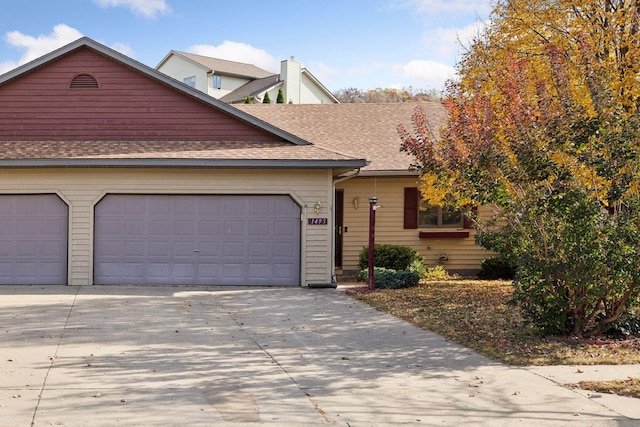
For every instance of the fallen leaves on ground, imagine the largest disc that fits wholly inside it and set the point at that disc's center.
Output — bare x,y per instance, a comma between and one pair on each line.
629,387
481,315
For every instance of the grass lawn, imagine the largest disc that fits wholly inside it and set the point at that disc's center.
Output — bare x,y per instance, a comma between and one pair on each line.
481,315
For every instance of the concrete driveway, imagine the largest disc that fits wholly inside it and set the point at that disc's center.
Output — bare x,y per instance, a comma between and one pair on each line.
75,356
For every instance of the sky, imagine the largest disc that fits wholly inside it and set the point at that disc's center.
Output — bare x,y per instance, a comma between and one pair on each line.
364,44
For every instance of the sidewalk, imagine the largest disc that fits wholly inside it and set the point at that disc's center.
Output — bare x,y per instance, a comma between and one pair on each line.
573,374
165,356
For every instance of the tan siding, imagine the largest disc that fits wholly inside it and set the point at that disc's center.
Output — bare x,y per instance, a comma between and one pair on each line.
463,254
83,188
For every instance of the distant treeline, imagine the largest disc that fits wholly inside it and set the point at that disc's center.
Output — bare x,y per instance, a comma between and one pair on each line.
380,95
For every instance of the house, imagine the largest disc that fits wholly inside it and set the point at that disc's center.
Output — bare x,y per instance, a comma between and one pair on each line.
370,131
232,82
112,172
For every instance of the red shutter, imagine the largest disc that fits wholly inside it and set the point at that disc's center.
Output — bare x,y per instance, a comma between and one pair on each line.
468,222
411,202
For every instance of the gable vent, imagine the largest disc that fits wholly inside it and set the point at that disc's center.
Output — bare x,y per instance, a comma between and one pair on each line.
84,81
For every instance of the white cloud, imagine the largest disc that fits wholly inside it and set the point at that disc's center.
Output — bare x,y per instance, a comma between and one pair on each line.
146,8
446,44
239,52
323,72
124,49
35,47
7,66
425,74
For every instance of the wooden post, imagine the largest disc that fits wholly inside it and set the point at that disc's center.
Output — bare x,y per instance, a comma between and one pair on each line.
372,233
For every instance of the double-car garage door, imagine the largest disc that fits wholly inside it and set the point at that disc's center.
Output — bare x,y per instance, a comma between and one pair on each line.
156,239
197,240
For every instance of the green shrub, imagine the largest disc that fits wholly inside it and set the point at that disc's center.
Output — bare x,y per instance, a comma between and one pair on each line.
417,266
267,98
393,257
496,268
436,272
578,265
386,278
280,98
626,326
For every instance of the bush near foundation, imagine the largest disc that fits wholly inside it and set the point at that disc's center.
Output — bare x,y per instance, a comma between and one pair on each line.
393,257
386,278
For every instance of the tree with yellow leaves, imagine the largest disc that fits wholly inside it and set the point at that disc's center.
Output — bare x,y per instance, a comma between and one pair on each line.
543,125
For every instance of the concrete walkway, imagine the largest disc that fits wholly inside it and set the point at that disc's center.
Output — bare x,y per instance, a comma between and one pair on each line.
164,356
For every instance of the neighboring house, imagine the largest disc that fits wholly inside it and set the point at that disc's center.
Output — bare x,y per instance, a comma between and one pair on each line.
369,130
232,82
114,173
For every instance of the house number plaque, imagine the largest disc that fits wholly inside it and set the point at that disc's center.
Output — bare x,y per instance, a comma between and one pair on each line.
317,221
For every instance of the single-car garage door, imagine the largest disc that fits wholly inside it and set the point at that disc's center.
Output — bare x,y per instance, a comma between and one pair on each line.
33,239
197,240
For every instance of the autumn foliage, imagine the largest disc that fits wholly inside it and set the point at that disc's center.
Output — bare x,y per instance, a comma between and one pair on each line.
543,126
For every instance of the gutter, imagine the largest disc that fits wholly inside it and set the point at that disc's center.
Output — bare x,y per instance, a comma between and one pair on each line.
173,162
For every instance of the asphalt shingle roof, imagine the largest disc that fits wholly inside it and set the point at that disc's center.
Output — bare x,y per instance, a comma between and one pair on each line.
251,89
204,150
222,66
358,130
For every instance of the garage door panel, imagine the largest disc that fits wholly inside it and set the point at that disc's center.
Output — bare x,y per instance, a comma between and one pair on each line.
233,249
259,250
209,249
234,206
131,227
129,249
33,239
281,271
184,226
199,239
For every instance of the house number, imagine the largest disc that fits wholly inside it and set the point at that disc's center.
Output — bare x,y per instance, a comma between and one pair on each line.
317,221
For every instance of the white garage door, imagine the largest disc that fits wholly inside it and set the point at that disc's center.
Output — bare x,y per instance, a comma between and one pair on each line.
33,240
197,240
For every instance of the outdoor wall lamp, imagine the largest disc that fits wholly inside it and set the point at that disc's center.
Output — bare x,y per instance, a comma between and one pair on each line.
316,207
355,202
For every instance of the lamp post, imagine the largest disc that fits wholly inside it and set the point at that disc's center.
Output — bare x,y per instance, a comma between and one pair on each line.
372,232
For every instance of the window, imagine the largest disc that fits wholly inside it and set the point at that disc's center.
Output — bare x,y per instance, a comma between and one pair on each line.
216,82
418,214
436,216
191,81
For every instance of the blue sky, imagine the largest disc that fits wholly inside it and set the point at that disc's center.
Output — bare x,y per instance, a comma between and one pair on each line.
344,43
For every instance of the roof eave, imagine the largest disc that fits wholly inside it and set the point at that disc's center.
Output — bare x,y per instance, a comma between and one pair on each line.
390,173
176,53
182,163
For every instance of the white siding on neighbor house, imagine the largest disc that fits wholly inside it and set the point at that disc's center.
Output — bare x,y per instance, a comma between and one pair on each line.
463,254
179,68
227,85
310,93
83,188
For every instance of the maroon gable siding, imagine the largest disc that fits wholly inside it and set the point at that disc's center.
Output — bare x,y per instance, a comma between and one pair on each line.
127,105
